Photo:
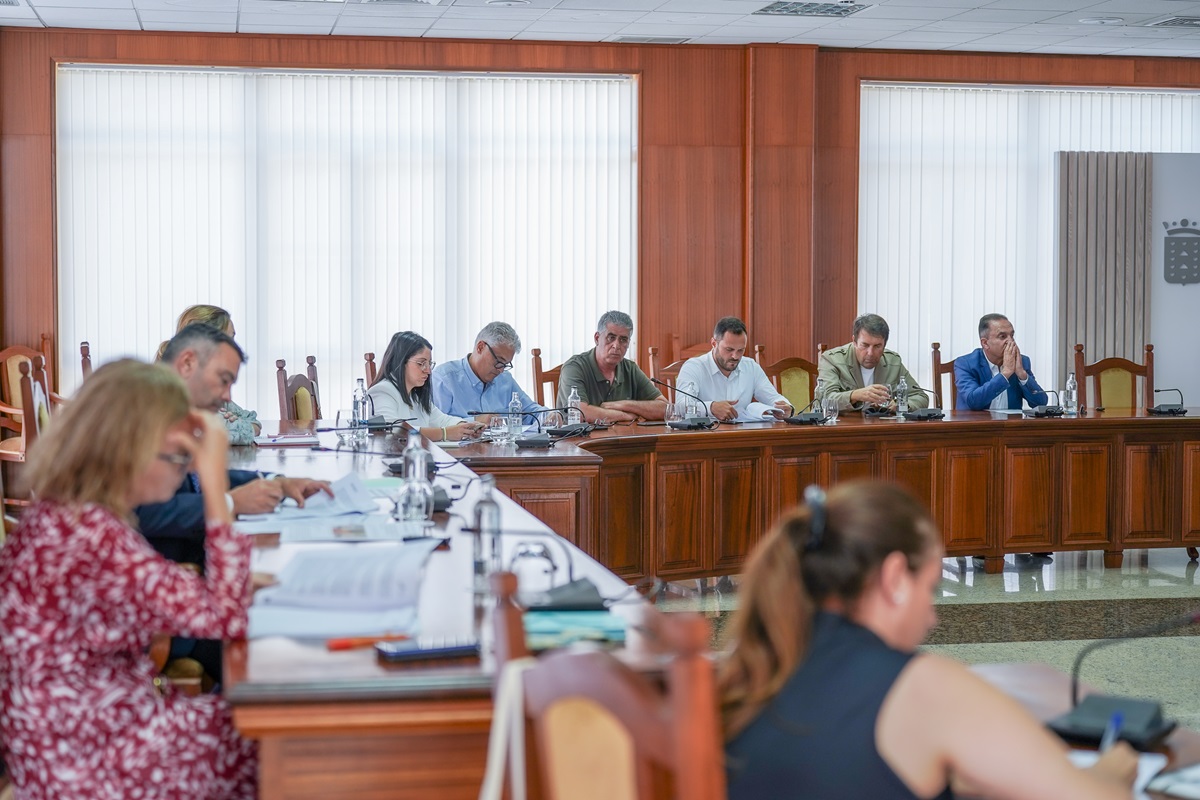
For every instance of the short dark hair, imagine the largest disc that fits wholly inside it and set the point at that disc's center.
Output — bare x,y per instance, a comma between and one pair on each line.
202,338
403,346
985,322
728,325
618,318
872,324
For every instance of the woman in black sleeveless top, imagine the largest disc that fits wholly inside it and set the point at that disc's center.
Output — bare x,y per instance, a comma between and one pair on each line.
823,696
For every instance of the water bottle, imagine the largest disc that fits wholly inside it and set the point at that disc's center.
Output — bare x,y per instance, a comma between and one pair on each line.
1071,397
690,403
361,414
902,397
415,502
515,417
574,414
820,402
486,541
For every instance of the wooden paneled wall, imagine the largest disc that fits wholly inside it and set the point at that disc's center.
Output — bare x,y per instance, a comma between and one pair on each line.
748,158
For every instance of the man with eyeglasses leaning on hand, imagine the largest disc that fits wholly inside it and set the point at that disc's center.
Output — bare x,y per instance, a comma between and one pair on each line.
481,382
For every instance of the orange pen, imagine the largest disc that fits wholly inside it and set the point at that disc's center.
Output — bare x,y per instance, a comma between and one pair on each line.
355,642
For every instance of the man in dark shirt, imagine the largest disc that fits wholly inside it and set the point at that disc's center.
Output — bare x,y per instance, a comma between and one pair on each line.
611,387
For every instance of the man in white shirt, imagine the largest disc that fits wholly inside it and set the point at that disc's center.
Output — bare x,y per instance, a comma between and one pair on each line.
732,387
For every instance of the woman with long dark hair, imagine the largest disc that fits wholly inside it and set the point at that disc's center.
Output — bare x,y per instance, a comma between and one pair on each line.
401,390
824,696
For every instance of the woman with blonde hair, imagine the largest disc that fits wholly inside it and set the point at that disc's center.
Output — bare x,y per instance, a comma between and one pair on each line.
82,593
823,695
241,424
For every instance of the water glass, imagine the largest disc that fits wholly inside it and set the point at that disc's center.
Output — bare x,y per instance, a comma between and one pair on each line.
345,425
674,412
830,410
498,429
552,419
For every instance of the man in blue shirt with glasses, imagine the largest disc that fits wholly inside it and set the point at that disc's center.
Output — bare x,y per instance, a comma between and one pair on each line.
482,382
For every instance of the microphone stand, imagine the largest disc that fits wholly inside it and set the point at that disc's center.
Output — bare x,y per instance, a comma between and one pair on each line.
925,414
1169,409
1055,410
806,417
691,423
1142,723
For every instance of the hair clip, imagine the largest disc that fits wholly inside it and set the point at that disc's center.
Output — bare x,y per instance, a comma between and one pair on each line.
814,498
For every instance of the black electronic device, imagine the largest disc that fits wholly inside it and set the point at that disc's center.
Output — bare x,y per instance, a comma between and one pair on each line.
573,429
924,414
534,441
805,418
1168,409
1142,723
408,650
1043,411
397,468
692,424
576,595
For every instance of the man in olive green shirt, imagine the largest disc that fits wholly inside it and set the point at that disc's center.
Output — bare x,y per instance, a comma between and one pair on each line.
611,387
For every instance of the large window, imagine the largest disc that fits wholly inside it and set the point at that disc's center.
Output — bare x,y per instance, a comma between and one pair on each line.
328,210
957,213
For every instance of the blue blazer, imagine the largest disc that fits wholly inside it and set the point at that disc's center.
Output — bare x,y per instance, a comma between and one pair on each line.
176,528
977,387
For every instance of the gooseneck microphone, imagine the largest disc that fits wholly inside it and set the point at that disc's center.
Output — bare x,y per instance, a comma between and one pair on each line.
1142,722
806,417
1169,409
925,414
691,423
1055,410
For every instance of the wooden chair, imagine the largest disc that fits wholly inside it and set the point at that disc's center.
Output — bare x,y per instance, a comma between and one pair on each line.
369,367
667,374
940,369
32,416
604,730
298,399
11,359
1115,380
795,378
681,353
543,376
85,358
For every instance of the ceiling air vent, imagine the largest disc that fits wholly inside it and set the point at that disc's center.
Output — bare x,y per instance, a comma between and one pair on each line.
10,2
812,9
1173,22
651,39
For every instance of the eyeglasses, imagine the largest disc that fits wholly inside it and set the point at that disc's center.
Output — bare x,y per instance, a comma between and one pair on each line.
425,365
500,365
181,460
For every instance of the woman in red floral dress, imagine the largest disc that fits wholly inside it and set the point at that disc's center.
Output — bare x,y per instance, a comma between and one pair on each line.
82,593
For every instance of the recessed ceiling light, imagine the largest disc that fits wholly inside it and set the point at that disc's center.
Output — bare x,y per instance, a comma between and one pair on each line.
1103,21
508,2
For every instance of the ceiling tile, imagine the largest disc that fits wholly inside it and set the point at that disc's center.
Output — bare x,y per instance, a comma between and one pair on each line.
10,13
577,15
1002,15
904,12
209,27
23,22
771,21
82,4
1040,5
1154,7
928,37
322,29
381,10
610,5
686,18
357,28
279,8
532,5
493,12
950,26
566,26
747,33
497,25
714,6
75,17
813,38
881,25
392,26
187,5
690,31
286,20
558,36
434,33
947,4
186,16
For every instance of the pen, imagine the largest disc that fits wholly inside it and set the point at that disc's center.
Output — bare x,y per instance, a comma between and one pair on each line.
356,642
1112,732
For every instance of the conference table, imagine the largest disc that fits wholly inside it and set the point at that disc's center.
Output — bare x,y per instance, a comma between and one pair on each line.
647,500
340,724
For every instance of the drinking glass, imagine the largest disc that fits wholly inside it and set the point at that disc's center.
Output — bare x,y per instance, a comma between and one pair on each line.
345,423
498,429
552,419
674,412
830,410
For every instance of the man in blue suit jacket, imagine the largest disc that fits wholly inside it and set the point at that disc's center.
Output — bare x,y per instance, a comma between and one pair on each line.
996,375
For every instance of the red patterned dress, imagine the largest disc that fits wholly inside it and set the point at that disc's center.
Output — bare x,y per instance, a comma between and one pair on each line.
81,595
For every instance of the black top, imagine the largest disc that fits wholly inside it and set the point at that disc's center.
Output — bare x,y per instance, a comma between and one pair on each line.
816,738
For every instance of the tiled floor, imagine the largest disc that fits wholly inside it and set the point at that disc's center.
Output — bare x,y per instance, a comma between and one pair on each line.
1047,610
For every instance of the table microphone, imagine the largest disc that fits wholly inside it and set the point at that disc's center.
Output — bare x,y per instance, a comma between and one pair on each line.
691,423
1046,411
925,414
806,417
1142,723
1169,409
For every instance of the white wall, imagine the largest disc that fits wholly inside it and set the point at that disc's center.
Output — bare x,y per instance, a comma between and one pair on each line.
1174,307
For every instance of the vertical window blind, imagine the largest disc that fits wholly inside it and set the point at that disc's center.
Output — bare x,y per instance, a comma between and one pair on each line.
957,211
326,211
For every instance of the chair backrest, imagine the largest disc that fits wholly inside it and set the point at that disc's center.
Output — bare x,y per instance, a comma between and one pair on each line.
297,394
681,353
795,378
11,359
369,367
85,358
34,412
666,374
543,376
604,730
940,369
1115,380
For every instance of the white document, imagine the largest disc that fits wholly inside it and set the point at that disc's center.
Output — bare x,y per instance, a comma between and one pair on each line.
348,528
1179,783
1149,765
288,440
354,579
350,496
308,623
